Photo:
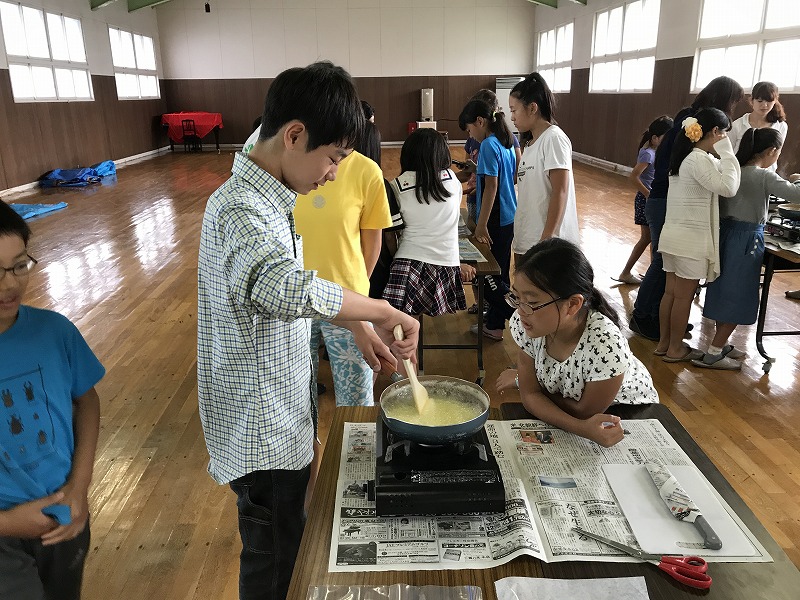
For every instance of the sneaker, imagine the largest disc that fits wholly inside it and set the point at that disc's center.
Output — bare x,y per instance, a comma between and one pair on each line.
647,328
794,295
628,278
717,361
321,389
492,334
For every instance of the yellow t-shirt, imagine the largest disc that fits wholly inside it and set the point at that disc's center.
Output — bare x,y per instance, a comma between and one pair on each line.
331,218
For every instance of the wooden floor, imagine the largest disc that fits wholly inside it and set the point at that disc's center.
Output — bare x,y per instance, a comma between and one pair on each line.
121,263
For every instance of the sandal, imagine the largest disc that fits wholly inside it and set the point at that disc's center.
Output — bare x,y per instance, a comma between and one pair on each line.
691,354
629,279
718,361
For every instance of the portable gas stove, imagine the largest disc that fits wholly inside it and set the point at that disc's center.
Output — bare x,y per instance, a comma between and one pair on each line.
783,228
417,479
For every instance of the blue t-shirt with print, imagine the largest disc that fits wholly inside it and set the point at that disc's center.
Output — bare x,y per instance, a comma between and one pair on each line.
495,160
45,364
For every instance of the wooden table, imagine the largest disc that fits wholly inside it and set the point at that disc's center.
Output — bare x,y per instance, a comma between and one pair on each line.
732,581
780,261
482,269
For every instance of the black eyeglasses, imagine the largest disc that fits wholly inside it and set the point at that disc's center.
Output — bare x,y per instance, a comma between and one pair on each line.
20,269
526,308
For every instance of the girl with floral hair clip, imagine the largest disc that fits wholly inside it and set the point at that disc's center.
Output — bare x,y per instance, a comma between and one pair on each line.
702,168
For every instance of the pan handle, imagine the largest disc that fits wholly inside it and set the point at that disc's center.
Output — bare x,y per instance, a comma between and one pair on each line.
390,371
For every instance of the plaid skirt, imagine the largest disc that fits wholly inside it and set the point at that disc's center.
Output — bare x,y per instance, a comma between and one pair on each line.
420,288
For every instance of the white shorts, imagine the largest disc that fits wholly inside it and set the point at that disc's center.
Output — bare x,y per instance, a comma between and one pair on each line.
685,268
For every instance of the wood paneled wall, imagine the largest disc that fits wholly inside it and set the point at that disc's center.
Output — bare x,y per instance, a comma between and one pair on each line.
609,126
396,101
41,136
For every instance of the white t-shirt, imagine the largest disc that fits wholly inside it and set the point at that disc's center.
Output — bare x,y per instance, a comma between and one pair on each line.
602,353
431,230
552,150
742,124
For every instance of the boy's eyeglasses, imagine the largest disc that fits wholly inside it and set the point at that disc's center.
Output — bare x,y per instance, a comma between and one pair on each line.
526,308
20,269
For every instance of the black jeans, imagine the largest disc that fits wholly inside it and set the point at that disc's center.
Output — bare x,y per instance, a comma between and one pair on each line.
31,571
495,288
271,521
651,290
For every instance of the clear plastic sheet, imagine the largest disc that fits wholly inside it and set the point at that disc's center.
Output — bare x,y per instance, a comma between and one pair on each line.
398,591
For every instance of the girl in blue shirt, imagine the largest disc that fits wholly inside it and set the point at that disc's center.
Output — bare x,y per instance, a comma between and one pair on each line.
496,201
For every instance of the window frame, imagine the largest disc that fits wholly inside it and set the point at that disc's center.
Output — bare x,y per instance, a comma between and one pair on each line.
137,71
556,64
31,62
759,38
621,56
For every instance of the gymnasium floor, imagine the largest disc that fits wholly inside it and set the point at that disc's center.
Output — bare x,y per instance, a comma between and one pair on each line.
121,263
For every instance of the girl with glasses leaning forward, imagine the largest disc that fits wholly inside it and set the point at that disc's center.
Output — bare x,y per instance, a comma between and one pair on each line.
573,361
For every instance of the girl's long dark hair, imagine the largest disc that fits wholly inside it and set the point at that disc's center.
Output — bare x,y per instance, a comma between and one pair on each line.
766,90
722,92
535,89
369,143
559,268
708,118
496,119
755,141
657,128
425,152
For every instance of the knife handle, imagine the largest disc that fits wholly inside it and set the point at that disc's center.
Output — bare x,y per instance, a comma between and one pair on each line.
710,538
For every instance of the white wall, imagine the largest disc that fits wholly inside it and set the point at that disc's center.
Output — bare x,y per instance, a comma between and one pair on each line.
678,26
260,38
95,28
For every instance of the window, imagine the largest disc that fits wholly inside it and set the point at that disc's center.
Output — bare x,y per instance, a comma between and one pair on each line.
46,55
134,61
624,47
761,44
554,57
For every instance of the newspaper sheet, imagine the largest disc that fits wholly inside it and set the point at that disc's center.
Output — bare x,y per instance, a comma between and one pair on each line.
553,480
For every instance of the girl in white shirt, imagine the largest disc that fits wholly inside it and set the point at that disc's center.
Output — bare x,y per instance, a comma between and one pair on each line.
573,361
425,277
767,112
689,242
546,205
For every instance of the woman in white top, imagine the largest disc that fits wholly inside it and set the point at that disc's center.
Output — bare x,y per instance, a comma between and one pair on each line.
546,204
425,277
689,242
767,112
573,361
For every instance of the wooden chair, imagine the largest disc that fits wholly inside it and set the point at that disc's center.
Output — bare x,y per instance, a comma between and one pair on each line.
191,141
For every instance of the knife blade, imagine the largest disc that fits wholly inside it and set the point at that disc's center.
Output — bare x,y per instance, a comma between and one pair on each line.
681,505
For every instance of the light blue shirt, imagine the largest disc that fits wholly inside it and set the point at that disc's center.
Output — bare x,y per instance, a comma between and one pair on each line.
253,330
496,160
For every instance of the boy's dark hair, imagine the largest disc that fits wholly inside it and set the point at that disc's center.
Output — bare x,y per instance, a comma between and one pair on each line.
13,224
558,267
425,152
497,122
766,90
657,128
322,97
369,144
488,96
755,141
708,118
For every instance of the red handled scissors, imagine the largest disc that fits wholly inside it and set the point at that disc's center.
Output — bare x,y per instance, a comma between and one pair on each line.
689,570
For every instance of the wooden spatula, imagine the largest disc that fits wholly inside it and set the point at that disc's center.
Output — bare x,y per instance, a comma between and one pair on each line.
418,390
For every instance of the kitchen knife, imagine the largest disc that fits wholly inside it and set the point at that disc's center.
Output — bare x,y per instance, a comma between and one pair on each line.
680,504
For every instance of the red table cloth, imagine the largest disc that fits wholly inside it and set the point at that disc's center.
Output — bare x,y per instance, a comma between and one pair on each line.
204,123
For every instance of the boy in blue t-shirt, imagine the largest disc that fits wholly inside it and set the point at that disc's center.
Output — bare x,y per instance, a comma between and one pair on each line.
48,434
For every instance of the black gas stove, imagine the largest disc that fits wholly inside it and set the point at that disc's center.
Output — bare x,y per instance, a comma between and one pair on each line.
783,228
417,479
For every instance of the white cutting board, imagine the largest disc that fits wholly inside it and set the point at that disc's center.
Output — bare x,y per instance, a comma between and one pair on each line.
656,530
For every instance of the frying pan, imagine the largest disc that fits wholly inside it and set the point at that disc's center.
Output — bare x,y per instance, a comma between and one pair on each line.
790,211
438,386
